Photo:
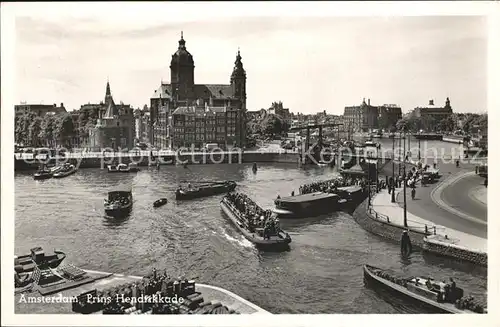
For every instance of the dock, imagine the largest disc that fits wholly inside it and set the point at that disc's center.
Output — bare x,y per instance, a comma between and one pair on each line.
60,301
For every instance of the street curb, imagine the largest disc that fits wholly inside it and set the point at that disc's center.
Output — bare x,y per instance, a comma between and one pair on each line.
436,197
472,194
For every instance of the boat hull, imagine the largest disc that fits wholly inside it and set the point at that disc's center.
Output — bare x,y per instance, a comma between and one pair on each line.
269,244
42,176
64,174
306,209
379,283
118,212
160,203
204,192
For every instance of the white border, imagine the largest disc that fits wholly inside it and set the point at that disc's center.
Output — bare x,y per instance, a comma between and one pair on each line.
197,11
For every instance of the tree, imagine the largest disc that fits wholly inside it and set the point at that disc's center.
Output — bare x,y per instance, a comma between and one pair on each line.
447,124
65,129
46,134
34,131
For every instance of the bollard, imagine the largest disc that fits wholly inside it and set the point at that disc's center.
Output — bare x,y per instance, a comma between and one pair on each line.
434,230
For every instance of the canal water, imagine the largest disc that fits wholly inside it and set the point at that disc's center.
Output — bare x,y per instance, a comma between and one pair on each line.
322,273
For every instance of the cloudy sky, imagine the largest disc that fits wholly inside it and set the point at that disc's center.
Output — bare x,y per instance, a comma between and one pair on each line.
311,64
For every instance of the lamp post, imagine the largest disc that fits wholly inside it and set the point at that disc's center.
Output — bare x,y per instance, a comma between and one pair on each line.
404,187
393,186
419,155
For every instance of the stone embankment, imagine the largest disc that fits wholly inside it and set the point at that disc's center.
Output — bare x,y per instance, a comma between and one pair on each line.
374,223
437,244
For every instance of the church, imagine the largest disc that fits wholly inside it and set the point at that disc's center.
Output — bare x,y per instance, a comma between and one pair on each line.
185,114
115,127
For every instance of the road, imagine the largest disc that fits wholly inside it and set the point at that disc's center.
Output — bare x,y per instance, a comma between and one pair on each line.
424,207
457,196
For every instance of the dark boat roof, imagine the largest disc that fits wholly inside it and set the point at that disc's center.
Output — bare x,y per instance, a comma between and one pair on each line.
308,197
350,189
121,189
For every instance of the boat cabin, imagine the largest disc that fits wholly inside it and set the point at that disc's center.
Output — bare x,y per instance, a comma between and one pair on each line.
120,195
436,291
37,254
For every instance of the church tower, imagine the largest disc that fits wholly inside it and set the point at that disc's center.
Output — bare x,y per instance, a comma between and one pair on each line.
182,72
239,81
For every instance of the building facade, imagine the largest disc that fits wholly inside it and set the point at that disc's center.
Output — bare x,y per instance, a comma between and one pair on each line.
115,126
198,105
431,114
277,109
39,109
365,117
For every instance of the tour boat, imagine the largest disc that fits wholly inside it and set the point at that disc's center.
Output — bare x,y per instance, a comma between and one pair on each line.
66,170
278,241
308,205
205,189
119,202
37,258
123,168
353,194
160,202
428,293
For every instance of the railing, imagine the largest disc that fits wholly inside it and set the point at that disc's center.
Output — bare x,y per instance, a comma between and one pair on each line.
415,226
78,155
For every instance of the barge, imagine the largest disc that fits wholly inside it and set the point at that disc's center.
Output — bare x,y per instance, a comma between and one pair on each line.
204,190
308,205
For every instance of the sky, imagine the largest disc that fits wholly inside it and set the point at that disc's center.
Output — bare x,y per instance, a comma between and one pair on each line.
311,64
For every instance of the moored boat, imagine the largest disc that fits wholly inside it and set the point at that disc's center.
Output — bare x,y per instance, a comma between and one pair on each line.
307,205
204,189
38,258
258,226
123,168
119,202
435,296
160,202
66,170
42,174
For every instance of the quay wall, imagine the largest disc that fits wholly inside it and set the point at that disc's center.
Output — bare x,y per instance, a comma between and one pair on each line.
367,220
456,252
101,161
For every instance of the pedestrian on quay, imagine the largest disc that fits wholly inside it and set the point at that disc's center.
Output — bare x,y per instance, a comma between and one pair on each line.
413,192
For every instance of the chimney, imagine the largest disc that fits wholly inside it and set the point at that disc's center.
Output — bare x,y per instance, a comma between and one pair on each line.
431,102
368,101
62,105
55,105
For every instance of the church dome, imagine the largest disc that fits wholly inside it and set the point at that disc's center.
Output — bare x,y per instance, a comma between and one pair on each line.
182,56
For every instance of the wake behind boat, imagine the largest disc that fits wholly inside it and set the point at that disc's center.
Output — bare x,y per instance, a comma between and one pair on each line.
119,202
436,296
258,226
202,189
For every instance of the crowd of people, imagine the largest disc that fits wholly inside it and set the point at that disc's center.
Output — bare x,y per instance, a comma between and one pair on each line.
253,216
331,185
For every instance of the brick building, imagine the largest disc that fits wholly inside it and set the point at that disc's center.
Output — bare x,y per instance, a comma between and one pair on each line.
431,114
365,117
185,113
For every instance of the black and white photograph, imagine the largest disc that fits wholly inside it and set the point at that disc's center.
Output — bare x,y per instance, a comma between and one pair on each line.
174,158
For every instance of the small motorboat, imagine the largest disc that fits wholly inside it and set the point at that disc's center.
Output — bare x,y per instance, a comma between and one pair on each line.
66,170
435,296
204,189
123,168
160,202
42,174
37,258
113,169
119,202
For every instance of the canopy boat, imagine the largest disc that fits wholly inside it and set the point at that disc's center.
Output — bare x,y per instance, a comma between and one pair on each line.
37,258
204,189
435,296
160,202
265,233
307,205
119,202
66,170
